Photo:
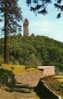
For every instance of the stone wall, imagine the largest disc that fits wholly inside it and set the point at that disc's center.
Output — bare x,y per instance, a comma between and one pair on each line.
47,70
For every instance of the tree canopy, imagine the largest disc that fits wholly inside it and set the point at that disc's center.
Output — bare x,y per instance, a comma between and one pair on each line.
34,51
40,6
13,14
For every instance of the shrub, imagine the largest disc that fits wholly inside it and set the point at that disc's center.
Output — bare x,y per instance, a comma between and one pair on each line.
7,78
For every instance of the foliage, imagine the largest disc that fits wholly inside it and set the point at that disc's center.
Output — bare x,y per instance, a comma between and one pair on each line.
13,14
34,50
7,78
41,6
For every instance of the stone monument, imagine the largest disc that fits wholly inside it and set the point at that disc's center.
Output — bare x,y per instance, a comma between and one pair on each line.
26,27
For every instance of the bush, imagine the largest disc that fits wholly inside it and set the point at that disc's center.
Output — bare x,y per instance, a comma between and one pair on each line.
59,68
7,78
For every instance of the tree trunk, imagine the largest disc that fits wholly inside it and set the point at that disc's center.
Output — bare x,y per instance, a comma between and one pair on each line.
6,35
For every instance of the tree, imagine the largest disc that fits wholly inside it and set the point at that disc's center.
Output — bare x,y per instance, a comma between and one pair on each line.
40,6
12,14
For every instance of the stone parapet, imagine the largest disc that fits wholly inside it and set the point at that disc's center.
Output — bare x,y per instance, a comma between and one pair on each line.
47,70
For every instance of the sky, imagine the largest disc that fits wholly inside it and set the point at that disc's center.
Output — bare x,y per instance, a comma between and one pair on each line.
47,25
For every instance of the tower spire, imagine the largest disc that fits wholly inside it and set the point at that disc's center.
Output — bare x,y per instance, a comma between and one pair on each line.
26,27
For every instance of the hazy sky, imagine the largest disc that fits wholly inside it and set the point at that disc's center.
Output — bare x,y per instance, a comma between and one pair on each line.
44,25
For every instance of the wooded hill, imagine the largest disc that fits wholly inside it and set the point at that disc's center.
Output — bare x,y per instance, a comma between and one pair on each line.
33,51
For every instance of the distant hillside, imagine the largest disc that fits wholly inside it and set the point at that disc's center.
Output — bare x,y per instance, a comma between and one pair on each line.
34,50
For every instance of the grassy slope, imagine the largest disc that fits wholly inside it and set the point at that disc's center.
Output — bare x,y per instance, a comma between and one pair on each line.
55,83
19,69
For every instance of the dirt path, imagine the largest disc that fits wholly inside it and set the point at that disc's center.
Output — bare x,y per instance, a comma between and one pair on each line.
15,95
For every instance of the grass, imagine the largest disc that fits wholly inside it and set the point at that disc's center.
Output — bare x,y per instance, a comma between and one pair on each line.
55,83
18,69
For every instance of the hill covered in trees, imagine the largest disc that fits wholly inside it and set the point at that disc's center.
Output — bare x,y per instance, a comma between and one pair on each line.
33,51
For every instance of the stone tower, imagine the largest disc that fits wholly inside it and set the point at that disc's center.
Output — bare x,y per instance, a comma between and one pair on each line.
26,27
